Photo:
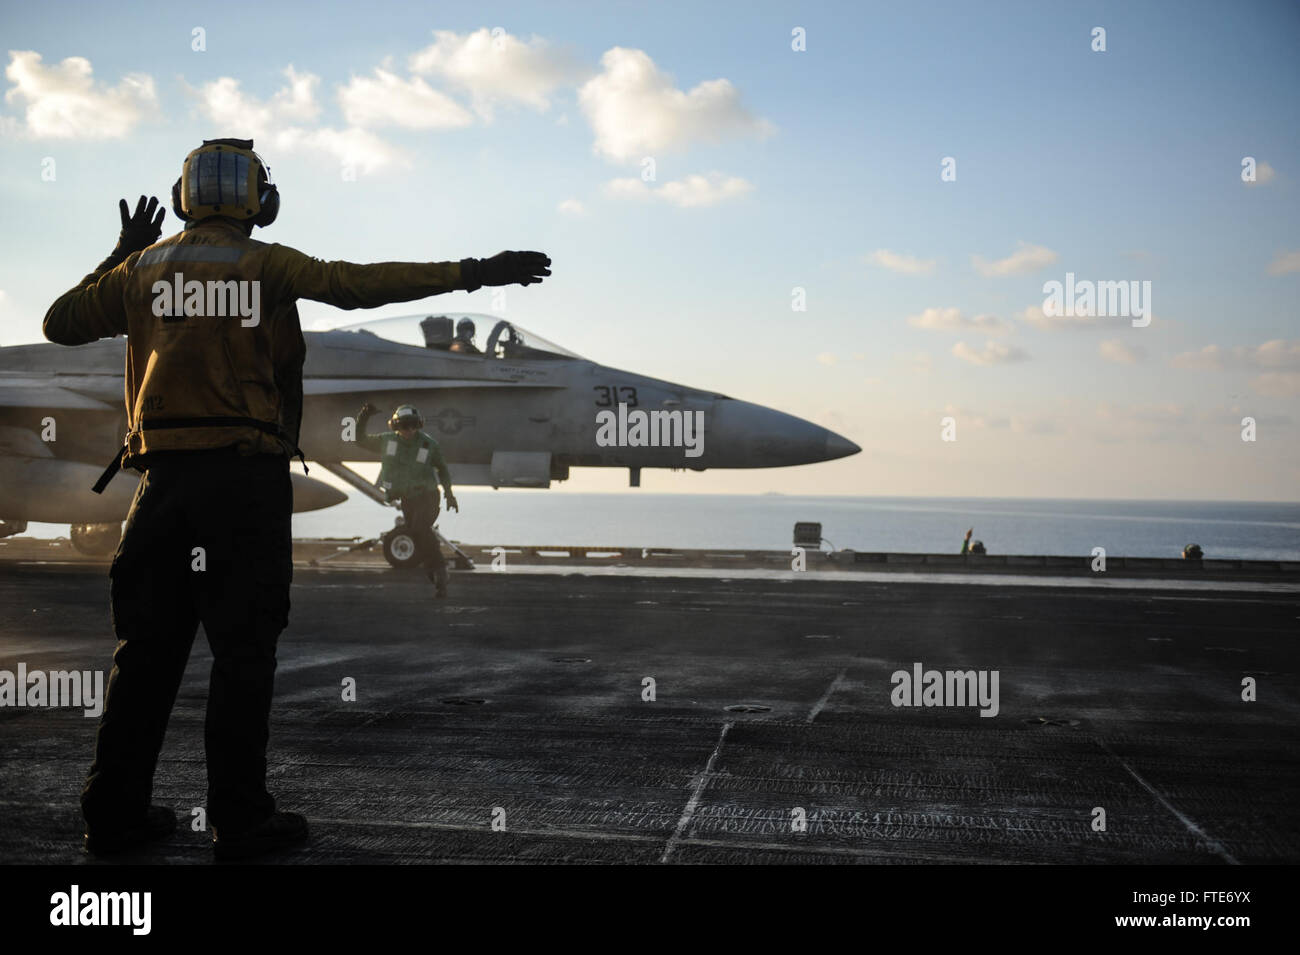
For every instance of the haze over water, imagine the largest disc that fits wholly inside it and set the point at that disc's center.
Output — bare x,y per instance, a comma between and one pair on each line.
1255,531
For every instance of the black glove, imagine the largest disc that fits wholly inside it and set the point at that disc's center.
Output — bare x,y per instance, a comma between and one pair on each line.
141,230
363,418
504,268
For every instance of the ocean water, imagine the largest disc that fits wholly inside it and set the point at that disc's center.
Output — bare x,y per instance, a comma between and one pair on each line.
921,525
766,521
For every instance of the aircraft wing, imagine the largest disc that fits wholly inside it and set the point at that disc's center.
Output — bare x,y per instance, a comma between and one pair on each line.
40,487
38,393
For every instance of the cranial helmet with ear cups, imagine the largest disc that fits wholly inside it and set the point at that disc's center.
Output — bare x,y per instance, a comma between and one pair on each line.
224,177
406,414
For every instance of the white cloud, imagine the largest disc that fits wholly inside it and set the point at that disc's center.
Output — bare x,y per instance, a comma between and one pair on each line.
497,69
951,319
827,358
1209,358
628,188
1277,355
697,190
278,121
572,207
388,100
634,109
65,102
1116,351
1264,174
1285,262
693,191
1026,258
297,101
902,263
1034,316
351,146
993,353
224,103
1277,384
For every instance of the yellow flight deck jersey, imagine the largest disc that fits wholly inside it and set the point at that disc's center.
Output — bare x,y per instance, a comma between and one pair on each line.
214,350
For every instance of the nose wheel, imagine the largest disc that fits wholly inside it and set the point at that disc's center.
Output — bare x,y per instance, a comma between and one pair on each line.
400,549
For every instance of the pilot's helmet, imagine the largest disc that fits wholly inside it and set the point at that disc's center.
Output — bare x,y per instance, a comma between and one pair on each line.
465,329
1193,552
404,416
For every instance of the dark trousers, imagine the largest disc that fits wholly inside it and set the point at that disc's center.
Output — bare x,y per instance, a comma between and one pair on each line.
421,512
237,509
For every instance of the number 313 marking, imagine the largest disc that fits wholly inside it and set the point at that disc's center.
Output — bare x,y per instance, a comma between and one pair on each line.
609,394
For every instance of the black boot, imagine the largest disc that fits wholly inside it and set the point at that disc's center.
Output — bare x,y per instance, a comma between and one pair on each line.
159,823
279,831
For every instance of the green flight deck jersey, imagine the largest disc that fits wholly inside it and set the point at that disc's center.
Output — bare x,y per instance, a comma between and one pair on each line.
407,465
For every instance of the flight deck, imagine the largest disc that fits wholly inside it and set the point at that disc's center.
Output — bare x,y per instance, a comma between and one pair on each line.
566,709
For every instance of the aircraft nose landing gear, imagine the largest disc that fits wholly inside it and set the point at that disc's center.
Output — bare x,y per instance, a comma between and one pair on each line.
401,550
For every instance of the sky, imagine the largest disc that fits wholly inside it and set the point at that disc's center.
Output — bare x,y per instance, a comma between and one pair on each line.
847,211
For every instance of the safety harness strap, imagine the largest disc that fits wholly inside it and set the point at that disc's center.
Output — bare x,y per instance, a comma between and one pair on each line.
215,421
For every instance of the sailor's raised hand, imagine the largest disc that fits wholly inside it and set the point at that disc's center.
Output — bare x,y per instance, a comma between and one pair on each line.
141,229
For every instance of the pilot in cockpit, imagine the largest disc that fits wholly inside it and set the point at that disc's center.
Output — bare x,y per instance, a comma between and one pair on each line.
464,343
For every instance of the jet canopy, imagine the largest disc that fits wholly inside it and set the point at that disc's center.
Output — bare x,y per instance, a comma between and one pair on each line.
485,336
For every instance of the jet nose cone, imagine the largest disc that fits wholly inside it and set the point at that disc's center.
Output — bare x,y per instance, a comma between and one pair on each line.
745,435
838,447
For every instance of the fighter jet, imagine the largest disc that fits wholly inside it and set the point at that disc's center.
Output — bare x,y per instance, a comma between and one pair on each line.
517,412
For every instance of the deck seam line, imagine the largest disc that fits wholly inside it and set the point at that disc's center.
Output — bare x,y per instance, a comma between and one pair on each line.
1213,844
689,812
817,708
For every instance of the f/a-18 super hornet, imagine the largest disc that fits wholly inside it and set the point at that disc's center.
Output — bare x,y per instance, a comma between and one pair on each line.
517,412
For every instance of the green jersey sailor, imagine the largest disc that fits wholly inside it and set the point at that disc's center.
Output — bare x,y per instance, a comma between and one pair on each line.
411,468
